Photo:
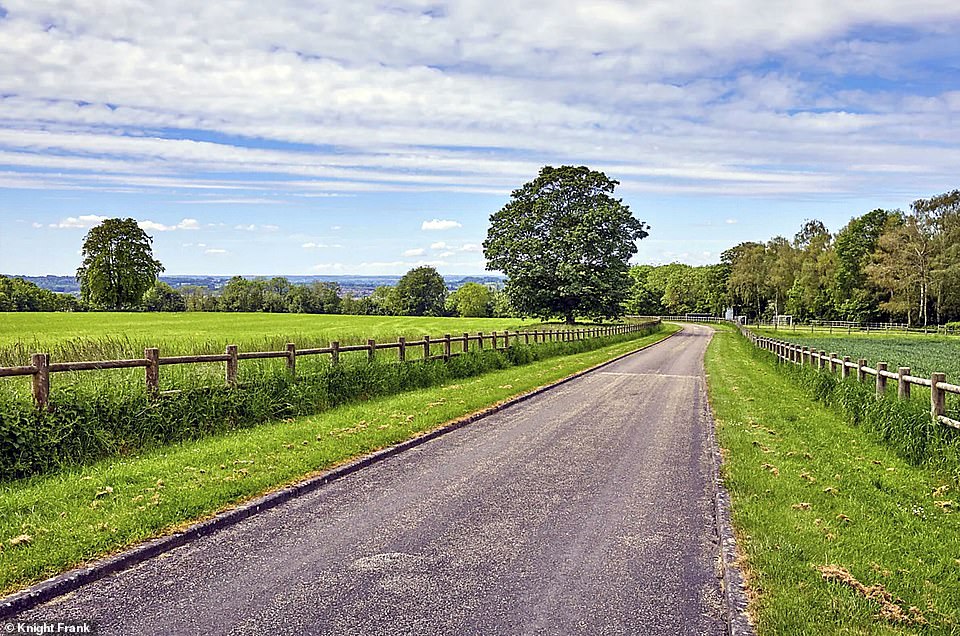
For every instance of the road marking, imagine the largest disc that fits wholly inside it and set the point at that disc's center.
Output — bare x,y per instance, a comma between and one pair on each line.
651,375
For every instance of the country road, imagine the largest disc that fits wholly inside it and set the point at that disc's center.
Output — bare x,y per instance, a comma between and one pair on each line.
588,509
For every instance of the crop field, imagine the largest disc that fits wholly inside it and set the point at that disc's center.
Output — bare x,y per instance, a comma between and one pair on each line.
103,336
924,354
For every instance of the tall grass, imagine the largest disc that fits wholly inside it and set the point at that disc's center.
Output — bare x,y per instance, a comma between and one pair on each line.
89,420
906,425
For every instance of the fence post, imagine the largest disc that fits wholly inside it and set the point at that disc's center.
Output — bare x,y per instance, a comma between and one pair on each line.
833,362
466,342
845,371
446,347
903,387
292,359
372,351
881,379
819,360
938,397
493,339
805,356
402,341
861,374
426,347
152,371
335,352
232,366
526,337
480,339
41,379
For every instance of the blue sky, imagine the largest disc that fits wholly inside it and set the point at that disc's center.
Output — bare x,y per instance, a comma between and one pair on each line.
367,137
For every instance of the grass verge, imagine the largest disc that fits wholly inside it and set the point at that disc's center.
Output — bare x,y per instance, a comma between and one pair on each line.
840,533
51,523
101,418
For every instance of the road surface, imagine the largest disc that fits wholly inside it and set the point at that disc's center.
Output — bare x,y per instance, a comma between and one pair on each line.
588,509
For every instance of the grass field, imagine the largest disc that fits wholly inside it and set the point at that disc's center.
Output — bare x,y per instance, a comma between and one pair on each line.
105,335
924,354
840,534
80,514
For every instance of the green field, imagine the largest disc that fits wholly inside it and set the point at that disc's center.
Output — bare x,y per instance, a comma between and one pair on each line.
105,336
924,354
840,534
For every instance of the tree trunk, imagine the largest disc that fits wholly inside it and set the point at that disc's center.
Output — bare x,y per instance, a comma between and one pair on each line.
569,318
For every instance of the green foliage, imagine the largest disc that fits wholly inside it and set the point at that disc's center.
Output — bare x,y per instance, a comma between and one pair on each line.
471,300
163,297
17,294
420,292
564,242
677,289
118,265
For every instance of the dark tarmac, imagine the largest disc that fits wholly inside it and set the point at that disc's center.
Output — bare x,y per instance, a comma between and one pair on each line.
588,509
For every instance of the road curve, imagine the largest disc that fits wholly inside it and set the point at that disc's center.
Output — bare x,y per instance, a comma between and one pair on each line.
588,509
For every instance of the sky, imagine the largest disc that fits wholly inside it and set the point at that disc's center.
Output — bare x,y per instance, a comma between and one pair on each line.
360,137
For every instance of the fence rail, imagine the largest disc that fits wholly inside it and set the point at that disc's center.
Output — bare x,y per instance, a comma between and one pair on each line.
822,360
41,367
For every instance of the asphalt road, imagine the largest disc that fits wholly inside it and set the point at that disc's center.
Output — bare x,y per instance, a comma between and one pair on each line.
585,510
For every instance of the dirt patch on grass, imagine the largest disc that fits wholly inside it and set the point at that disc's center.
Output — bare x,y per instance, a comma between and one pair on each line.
890,608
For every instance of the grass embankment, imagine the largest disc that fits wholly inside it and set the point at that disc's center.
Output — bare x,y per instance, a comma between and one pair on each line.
101,417
820,504
84,513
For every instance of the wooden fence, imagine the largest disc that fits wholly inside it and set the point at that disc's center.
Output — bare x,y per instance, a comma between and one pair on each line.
41,367
805,356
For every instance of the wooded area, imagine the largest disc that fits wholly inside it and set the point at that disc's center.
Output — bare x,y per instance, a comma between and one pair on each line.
886,265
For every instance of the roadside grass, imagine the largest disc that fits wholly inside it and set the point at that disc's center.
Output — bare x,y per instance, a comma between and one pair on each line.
111,416
81,514
923,354
810,490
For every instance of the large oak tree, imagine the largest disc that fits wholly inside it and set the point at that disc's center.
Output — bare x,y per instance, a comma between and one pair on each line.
118,265
564,241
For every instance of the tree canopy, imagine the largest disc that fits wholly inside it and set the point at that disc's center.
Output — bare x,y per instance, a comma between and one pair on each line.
118,265
563,241
420,292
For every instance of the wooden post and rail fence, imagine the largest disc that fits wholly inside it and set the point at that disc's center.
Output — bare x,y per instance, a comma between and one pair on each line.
805,356
41,366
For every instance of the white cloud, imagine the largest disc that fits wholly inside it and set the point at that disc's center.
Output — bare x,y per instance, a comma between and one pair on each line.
439,245
421,102
36,225
152,226
269,228
246,228
84,221
471,247
731,221
416,251
445,254
215,250
440,224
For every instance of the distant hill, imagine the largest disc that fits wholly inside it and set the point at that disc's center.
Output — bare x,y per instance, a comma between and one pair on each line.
358,286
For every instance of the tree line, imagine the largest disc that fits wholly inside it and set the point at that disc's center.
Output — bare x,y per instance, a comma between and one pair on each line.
885,265
421,292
